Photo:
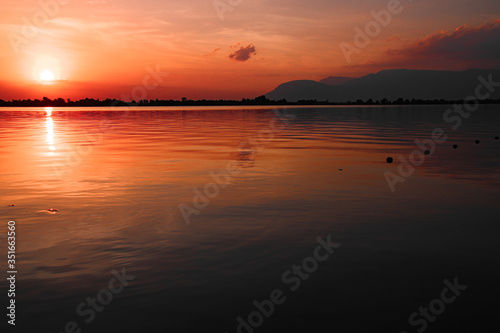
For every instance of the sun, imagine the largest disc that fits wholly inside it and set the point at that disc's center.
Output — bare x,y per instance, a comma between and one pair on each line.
47,76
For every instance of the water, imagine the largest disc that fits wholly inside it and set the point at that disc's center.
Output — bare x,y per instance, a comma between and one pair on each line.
117,178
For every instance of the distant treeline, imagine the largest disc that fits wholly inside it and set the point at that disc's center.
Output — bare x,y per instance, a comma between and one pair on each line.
261,100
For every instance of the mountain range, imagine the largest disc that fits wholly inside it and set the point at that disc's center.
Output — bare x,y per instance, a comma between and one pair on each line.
390,84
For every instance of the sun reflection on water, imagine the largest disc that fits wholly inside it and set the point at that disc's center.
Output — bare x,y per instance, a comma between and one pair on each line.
50,130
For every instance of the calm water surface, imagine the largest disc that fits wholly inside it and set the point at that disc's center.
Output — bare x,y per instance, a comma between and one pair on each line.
118,177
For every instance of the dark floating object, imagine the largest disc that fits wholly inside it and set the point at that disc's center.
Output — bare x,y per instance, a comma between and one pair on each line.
341,169
477,142
455,146
497,138
52,210
11,205
390,160
427,152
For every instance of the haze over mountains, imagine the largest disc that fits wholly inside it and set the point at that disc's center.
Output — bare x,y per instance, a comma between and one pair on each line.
390,84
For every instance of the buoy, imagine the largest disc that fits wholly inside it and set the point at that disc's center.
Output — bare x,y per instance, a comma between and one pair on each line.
427,152
390,160
477,142
455,146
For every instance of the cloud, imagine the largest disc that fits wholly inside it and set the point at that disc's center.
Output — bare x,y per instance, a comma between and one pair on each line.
466,44
244,53
212,53
466,47
393,38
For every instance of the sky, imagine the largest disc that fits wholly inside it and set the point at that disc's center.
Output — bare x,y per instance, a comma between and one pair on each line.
230,49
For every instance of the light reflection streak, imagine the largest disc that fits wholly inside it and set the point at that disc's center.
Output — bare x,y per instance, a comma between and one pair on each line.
50,130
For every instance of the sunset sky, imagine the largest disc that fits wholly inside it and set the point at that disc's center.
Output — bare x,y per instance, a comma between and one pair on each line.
109,48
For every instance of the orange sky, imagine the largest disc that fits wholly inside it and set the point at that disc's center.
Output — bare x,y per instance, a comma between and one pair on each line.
111,48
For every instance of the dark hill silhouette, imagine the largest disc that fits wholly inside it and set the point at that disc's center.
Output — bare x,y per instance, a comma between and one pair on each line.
301,90
336,80
390,84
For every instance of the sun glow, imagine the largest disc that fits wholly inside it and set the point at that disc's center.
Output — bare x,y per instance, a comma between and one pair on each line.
47,76
46,70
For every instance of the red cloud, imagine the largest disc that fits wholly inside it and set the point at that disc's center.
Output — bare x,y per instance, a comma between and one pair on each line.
466,44
244,53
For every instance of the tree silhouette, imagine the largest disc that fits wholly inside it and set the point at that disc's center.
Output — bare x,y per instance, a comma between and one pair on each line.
260,100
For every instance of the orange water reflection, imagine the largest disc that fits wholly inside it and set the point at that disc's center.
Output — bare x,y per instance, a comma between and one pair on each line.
118,177
50,130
